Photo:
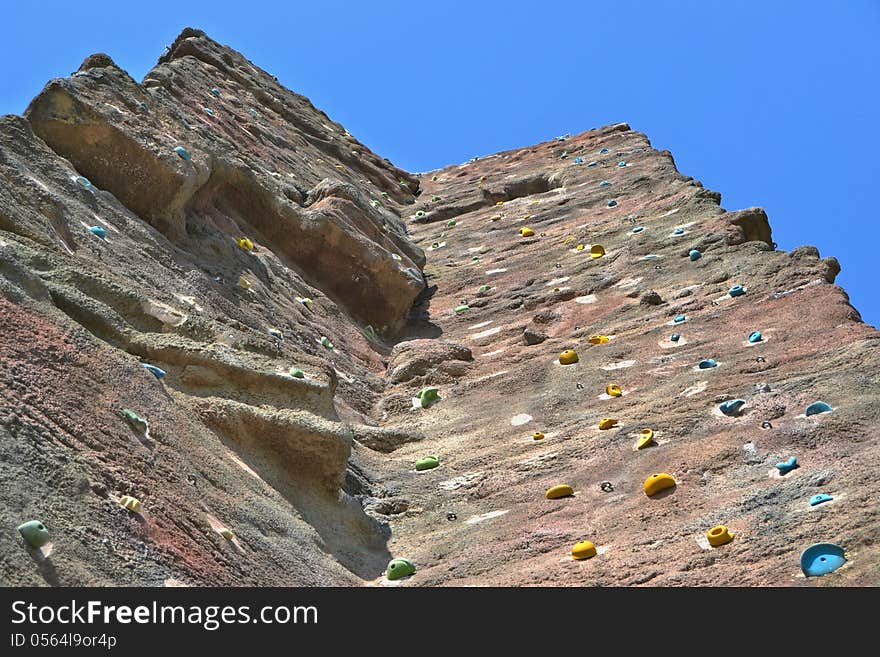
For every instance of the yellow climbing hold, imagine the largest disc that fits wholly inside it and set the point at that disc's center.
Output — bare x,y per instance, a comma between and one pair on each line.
500,203
597,251
613,390
525,231
719,535
495,217
227,534
597,339
568,239
568,357
583,550
130,503
657,482
580,247
538,436
528,216
562,490
244,283
646,437
245,244
607,422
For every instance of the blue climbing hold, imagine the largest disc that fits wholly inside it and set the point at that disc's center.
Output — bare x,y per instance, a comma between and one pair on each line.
638,229
675,337
731,407
736,291
612,203
822,558
182,152
694,254
158,371
755,336
215,91
143,106
819,499
818,407
604,183
678,319
592,164
208,111
98,230
254,113
603,151
787,466
578,160
678,231
622,163
708,363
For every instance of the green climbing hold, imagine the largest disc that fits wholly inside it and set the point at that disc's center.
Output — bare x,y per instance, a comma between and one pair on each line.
398,568
434,199
485,288
428,396
451,223
297,373
34,533
135,420
370,332
420,214
462,308
325,341
427,463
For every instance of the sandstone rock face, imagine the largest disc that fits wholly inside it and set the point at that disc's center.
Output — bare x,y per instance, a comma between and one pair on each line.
289,411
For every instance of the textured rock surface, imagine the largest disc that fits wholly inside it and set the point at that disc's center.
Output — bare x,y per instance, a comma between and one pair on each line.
316,475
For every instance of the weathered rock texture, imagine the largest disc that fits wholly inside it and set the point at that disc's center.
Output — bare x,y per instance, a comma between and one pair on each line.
315,475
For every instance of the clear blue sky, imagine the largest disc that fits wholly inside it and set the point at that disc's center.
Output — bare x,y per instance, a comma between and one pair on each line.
770,103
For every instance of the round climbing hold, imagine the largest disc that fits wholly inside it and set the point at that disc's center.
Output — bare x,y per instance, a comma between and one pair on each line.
462,308
611,203
243,282
755,336
215,91
34,533
568,357
646,437
622,163
678,231
484,288
451,516
708,363
276,333
598,339
785,467
325,342
562,490
183,153
657,482
99,231
538,435
580,247
297,373
130,503
245,244
822,558
736,291
613,390
818,407
135,420
719,535
766,424
607,423
732,407
398,568
583,550
603,151
157,371
428,396
525,231
208,111
597,251
820,499
638,229
427,463
694,254
675,337
604,183
420,214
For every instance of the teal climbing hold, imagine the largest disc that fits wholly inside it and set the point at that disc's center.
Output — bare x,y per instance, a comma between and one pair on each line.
83,182
427,463
818,407
622,163
182,152
822,558
462,308
208,111
98,230
578,160
297,373
398,568
604,183
612,203
143,106
325,342
638,229
485,288
707,364
215,91
592,164
603,151
678,231
736,291
158,371
755,336
428,396
787,466
254,113
678,319
732,407
135,420
819,499
675,337
34,533
694,254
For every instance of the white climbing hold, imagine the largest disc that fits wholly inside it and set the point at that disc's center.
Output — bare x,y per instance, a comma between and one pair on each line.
520,419
495,271
589,298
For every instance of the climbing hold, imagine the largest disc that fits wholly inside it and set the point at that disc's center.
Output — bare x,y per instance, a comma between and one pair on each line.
612,203
525,231
143,106
135,420
592,164
707,364
607,422
580,247
597,251
462,308
675,337
613,390
394,256
538,436
736,291
130,503
818,407
297,373
434,199
622,163
427,463
719,535
428,396
325,342
755,336
306,302
787,466
370,332
638,229
158,371
604,183
607,487
760,359
34,533
564,155
98,230
731,407
398,568
583,550
215,91
208,111
694,254
819,499
657,482
568,357
484,288
678,319
420,214
276,333
82,181
598,339
766,424
451,516
603,151
822,558
245,244
182,152
562,490
226,533
451,223
646,437
678,231
243,282
254,113
578,160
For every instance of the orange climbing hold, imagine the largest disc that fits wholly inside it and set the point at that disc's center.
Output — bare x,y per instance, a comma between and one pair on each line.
568,357
525,231
598,339
597,251
657,482
583,550
562,490
607,423
613,390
